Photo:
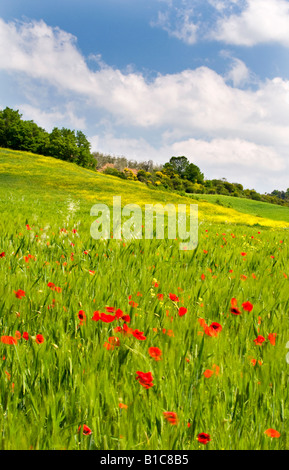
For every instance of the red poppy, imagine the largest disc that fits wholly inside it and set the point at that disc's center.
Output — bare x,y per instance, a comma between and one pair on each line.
247,306
81,315
19,294
213,330
173,297
204,438
145,379
17,335
272,433
243,254
208,373
160,296
139,335
8,340
182,311
171,417
39,339
272,338
86,431
259,340
155,353
2,255
234,308
25,335
110,309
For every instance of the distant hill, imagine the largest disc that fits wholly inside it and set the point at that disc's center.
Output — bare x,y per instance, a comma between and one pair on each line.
46,185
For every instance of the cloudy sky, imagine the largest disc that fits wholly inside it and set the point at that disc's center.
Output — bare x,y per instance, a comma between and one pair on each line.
149,79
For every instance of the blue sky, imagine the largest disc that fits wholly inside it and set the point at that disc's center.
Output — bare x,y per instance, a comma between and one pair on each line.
208,79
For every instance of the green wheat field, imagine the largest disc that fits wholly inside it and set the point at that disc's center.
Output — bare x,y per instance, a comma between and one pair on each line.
117,345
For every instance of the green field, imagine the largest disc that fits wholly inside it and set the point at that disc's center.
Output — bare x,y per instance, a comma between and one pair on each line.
248,206
84,371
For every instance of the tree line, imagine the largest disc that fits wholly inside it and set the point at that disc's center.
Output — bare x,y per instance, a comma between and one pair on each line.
65,144
178,175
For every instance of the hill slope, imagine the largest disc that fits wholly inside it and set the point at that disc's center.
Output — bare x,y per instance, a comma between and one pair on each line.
33,184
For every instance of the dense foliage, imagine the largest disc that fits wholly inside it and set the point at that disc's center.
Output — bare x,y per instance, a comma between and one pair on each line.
17,134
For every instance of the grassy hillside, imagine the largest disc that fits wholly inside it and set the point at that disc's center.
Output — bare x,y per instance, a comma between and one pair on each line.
136,345
49,186
248,206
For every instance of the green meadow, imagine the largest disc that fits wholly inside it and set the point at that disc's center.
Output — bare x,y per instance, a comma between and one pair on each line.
137,345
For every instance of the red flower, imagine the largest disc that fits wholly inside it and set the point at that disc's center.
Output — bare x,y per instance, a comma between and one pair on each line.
213,330
8,340
39,339
19,294
17,334
259,340
2,255
107,318
247,306
173,297
160,297
110,309
81,315
25,335
155,353
171,417
139,335
272,338
204,438
272,433
86,431
182,311
234,308
145,379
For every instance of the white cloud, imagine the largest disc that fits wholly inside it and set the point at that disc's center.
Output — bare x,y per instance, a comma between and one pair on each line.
178,23
183,111
261,21
239,74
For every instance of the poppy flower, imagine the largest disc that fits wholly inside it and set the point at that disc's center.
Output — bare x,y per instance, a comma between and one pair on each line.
160,297
8,340
272,338
272,433
122,406
204,438
25,335
234,309
182,311
139,335
259,340
145,379
81,315
2,255
19,294
39,339
110,309
107,318
171,417
155,353
247,306
17,335
213,330
208,373
86,431
173,297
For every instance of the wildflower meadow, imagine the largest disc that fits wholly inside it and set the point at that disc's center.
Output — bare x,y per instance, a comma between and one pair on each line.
137,345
